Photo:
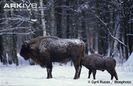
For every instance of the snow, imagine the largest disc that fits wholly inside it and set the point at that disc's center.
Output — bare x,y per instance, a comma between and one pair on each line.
66,42
128,65
75,41
21,60
25,75
129,62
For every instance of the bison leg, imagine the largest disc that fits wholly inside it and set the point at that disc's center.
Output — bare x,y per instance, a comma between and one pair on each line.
49,75
77,64
80,67
49,71
94,74
78,71
112,76
90,71
115,75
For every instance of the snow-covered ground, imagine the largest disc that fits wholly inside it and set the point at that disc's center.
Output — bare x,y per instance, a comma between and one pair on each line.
62,76
25,75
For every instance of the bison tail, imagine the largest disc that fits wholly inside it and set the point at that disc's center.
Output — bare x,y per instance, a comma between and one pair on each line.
114,61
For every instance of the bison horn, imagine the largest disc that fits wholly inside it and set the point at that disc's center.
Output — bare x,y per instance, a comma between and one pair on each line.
26,43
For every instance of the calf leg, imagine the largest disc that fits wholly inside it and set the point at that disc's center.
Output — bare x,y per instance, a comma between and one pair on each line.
94,74
49,70
115,75
89,73
112,76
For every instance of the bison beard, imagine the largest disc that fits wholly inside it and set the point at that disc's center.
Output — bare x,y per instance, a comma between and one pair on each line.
45,50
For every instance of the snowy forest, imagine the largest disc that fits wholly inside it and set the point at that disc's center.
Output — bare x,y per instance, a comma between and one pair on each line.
106,26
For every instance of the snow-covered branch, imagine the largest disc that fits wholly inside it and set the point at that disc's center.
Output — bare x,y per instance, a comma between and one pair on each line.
129,34
14,18
12,33
87,6
11,29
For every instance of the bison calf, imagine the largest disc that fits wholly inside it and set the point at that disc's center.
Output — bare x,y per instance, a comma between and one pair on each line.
96,62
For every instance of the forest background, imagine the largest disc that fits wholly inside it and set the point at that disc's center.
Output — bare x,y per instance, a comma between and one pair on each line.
106,26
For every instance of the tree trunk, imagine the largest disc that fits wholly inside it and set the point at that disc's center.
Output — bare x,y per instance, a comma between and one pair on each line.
52,15
42,18
117,35
96,41
64,20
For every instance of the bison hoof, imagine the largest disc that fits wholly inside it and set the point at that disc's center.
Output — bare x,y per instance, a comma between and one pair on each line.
49,77
76,78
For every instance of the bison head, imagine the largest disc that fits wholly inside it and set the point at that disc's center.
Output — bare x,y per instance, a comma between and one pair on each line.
25,50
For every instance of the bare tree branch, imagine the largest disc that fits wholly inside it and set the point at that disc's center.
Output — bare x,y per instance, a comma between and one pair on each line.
11,29
87,6
12,33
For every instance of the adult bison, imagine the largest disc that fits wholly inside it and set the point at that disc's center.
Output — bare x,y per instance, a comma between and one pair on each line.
45,50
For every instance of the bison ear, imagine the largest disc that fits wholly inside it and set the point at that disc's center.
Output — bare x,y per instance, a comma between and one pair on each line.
31,48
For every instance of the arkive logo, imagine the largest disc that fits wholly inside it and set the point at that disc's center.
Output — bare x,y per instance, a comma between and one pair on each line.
20,6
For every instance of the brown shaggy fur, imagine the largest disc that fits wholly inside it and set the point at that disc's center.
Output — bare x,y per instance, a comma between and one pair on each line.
95,62
45,50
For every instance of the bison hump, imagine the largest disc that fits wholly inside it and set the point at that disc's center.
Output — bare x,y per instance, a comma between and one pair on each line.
66,42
